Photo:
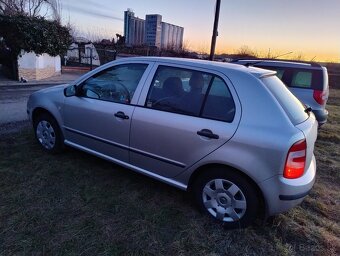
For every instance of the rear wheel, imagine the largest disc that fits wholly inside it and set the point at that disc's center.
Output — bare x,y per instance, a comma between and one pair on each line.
48,134
227,196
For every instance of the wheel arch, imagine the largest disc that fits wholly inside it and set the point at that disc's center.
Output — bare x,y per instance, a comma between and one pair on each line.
39,111
204,168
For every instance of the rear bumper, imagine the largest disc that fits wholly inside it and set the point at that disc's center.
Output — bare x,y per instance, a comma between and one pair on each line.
321,116
293,197
282,194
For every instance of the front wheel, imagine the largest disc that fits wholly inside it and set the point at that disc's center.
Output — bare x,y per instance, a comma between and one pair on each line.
227,196
47,133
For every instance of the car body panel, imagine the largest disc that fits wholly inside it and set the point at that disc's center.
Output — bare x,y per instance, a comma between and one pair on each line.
278,186
90,123
51,99
173,143
310,131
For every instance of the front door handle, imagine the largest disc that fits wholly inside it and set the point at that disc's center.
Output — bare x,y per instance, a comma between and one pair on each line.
121,115
207,133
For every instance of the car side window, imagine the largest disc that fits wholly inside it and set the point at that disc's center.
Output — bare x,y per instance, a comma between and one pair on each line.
302,79
116,84
178,90
219,104
191,92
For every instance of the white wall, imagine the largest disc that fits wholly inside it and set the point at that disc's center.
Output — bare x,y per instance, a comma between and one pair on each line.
57,64
36,67
32,61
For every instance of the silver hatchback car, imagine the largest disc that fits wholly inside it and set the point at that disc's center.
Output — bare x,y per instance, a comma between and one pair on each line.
234,136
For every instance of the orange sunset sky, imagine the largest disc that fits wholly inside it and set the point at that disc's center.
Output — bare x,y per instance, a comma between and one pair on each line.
305,27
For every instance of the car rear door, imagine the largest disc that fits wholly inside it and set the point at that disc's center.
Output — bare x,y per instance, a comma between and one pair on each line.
98,119
171,131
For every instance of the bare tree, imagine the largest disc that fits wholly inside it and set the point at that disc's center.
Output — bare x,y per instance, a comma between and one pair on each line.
186,45
10,7
299,56
74,31
56,8
31,8
246,51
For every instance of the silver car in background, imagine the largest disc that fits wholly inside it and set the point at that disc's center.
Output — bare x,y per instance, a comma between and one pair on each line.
307,81
233,136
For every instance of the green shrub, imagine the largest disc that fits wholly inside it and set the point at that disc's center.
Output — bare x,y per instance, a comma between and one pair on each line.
20,32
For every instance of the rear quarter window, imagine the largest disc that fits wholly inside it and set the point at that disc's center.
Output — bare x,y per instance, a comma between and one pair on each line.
294,109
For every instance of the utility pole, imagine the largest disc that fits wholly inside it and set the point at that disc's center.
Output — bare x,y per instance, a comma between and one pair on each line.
215,33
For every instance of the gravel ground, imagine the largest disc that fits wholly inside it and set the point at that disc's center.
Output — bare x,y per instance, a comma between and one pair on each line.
13,127
14,95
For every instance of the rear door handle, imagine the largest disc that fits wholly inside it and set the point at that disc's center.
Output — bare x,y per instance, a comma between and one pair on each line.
207,133
121,115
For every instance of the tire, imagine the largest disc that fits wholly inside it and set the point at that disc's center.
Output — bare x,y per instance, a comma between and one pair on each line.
226,196
48,134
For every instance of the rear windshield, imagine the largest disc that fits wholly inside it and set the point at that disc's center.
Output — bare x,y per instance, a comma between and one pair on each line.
302,79
292,106
299,77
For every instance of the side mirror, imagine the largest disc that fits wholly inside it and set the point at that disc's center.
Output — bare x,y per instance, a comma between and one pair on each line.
70,91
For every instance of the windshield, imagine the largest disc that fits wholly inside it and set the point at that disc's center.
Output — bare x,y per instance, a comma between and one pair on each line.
292,106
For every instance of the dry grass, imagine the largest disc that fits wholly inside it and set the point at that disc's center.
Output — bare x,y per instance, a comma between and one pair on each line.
333,74
76,204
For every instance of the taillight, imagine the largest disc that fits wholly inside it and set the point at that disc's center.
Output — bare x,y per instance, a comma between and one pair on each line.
320,96
296,160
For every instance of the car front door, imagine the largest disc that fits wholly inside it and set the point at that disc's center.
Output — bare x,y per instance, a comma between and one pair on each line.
98,118
182,116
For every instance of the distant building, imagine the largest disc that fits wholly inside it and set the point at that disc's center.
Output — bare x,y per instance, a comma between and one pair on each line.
151,31
134,29
172,36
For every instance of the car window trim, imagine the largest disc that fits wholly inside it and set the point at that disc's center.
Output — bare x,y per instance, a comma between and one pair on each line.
103,71
206,95
213,73
149,66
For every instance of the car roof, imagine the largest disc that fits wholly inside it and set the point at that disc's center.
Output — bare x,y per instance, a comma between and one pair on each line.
205,64
279,63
